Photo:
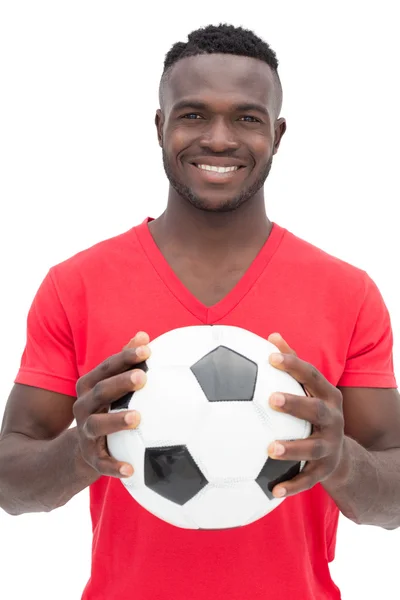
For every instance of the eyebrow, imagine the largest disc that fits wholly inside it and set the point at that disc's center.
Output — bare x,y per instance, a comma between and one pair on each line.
203,106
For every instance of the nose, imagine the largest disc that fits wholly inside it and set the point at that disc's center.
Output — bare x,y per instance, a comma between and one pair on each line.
219,136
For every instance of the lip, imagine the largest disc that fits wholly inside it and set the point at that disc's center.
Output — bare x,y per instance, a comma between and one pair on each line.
215,177
218,162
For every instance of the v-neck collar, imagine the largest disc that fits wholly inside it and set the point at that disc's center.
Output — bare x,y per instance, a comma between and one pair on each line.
208,314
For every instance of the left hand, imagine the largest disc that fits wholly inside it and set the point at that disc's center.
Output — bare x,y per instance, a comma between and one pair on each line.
322,408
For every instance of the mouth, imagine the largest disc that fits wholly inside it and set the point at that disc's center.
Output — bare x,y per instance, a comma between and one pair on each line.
217,174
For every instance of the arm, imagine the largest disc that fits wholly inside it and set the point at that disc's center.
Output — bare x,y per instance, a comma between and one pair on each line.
354,451
42,463
41,466
366,483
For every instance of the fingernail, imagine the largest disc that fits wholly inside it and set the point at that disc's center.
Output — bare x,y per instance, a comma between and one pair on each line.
278,449
142,351
138,377
277,400
131,418
126,470
280,492
276,358
142,334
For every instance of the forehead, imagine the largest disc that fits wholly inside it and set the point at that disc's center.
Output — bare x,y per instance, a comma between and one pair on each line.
220,76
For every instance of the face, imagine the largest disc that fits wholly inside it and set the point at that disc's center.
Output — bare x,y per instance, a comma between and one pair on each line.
218,129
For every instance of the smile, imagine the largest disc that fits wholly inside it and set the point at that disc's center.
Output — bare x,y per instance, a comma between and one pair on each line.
216,174
217,169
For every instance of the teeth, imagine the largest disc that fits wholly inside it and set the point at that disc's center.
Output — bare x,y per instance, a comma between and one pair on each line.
217,169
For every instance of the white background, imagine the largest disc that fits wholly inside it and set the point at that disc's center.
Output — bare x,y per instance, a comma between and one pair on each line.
80,162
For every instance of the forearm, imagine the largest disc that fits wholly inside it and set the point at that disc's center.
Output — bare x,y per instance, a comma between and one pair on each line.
366,485
39,476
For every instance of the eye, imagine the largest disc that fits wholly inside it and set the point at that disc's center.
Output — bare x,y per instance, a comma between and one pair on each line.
254,120
190,115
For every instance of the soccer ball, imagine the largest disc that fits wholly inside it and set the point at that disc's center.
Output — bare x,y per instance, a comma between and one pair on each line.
200,452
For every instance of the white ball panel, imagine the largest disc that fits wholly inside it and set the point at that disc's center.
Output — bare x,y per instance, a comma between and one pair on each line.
230,442
219,507
180,347
244,342
171,406
127,446
282,426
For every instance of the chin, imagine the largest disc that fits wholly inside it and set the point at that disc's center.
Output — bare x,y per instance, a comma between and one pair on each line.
217,205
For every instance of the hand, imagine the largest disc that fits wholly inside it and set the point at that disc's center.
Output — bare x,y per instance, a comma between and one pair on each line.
96,390
322,408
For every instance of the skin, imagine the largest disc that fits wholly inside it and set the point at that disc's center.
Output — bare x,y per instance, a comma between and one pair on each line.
354,450
196,230
210,232
35,438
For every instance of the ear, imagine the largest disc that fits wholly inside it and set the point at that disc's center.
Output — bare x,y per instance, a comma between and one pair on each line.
280,128
159,121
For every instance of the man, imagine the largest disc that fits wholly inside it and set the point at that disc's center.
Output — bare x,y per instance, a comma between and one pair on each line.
212,257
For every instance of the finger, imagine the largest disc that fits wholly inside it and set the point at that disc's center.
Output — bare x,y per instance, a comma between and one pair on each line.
309,476
107,391
118,363
99,425
310,449
107,465
305,373
311,409
280,343
140,339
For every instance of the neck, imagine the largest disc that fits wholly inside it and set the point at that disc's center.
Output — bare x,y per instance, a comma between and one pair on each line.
209,233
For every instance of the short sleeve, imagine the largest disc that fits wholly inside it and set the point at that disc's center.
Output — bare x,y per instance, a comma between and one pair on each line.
48,360
369,361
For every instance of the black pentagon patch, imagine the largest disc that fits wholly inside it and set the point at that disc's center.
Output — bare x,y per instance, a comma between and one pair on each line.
274,472
126,398
225,375
172,473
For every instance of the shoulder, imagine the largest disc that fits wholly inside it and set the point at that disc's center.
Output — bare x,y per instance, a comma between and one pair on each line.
316,265
97,259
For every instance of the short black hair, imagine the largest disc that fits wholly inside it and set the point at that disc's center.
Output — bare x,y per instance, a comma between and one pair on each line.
224,39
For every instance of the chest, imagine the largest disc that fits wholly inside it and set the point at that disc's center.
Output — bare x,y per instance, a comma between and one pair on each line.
136,296
212,286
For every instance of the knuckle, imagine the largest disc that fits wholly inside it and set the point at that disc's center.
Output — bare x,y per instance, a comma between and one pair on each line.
315,374
105,366
98,392
77,409
89,427
323,413
338,397
80,386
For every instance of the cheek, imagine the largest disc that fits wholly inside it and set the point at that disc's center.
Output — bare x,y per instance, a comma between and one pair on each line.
261,145
178,139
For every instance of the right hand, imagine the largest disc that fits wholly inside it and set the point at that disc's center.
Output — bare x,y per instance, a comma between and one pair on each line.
96,390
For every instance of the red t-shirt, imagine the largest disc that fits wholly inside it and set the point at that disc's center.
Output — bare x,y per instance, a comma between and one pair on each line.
330,312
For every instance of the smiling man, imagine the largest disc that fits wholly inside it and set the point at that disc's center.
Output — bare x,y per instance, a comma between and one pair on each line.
212,257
